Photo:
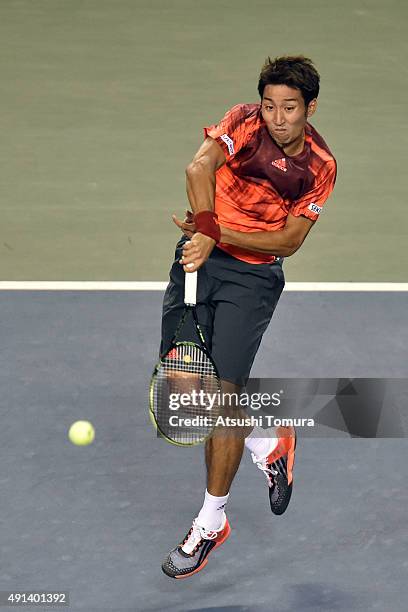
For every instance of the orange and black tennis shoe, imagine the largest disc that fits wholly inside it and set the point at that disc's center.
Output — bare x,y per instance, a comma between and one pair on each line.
278,469
191,555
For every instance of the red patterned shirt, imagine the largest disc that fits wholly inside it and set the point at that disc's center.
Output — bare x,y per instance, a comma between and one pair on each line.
259,185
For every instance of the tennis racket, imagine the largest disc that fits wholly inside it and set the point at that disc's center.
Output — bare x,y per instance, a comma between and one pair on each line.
185,387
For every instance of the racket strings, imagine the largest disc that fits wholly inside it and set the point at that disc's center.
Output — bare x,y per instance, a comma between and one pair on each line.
185,381
190,359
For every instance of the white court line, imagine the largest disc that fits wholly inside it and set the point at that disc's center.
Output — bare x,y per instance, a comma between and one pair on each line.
160,286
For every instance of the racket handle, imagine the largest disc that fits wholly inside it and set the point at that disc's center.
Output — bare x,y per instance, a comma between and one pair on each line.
190,288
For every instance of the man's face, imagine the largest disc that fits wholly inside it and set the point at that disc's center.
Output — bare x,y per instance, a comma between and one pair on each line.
285,114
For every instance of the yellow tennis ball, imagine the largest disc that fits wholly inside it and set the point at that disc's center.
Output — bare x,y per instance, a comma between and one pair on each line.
81,433
187,359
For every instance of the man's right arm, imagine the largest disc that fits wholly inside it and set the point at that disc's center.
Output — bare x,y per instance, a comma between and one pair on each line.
200,175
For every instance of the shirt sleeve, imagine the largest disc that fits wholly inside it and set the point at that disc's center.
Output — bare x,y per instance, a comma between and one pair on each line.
230,132
311,203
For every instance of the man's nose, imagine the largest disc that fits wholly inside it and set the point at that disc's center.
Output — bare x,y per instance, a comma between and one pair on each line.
278,117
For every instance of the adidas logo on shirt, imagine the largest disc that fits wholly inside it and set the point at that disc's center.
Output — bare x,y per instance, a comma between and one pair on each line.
280,163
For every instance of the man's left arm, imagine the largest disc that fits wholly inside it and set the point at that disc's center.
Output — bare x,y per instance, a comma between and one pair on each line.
283,243
304,213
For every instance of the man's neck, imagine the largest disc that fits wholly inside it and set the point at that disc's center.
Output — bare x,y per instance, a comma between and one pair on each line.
295,147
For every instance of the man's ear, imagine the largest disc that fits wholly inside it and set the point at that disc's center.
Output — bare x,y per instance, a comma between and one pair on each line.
311,109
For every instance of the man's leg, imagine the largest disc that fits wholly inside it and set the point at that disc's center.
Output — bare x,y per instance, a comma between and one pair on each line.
223,451
223,455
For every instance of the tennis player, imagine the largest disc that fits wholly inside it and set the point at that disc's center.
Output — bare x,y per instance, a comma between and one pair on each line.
256,187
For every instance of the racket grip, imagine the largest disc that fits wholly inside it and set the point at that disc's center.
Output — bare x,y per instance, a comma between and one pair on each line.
190,288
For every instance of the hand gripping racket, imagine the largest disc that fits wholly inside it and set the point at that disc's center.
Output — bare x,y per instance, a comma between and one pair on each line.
185,387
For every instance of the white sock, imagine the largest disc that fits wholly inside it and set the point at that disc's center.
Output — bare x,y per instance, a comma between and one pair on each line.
261,442
211,514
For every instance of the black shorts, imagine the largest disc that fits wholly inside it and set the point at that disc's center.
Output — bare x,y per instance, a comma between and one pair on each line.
235,302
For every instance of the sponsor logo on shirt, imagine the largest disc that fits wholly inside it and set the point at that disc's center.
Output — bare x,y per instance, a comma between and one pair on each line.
315,208
280,163
229,142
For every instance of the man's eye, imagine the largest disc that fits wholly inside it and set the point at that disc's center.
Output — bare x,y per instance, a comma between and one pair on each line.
269,107
290,108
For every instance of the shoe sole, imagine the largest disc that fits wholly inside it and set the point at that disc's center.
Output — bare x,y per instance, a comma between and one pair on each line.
289,469
283,509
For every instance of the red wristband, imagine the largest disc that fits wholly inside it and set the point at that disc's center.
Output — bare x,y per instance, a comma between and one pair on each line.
206,223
